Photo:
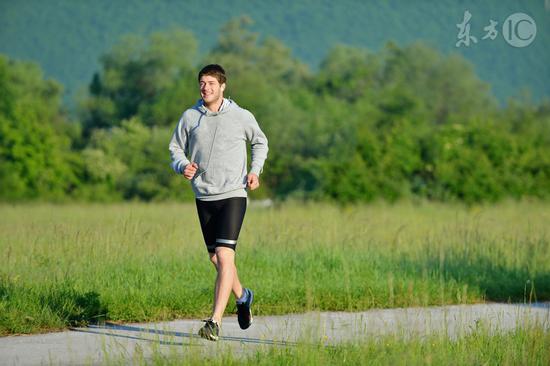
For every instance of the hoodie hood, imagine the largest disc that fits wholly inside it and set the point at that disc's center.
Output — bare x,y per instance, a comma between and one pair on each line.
227,104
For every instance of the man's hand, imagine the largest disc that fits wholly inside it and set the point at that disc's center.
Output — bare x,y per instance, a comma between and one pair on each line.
190,170
252,181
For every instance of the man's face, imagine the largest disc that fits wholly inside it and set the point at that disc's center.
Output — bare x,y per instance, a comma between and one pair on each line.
211,89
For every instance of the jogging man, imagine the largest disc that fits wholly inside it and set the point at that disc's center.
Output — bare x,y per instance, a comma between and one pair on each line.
209,148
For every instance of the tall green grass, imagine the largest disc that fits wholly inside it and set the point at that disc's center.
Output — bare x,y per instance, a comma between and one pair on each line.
70,264
523,346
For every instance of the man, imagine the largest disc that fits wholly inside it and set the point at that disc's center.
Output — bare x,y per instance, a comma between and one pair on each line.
209,148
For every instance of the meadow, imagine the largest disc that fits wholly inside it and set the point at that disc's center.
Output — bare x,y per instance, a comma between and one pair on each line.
524,346
72,264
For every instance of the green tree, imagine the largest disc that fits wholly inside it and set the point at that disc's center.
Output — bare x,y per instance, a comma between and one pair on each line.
131,162
446,86
141,77
35,157
349,73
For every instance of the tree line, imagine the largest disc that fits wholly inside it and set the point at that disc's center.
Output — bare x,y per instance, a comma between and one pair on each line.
402,122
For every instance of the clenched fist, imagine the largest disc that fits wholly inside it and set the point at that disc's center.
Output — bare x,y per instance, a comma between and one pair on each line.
190,170
252,181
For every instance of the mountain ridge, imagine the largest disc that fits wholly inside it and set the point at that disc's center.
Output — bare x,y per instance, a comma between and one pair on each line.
53,32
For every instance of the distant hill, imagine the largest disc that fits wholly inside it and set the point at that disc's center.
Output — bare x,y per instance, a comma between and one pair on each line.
67,37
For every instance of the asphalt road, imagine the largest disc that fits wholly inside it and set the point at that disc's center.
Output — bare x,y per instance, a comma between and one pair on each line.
128,342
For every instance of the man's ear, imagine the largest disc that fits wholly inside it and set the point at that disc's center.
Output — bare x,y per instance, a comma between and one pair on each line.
222,87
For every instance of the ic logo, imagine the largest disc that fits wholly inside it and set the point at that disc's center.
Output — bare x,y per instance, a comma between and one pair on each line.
519,30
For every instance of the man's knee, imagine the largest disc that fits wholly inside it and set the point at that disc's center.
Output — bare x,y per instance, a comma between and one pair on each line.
214,261
225,257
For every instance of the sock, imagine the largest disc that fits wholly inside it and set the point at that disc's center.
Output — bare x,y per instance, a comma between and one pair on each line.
244,297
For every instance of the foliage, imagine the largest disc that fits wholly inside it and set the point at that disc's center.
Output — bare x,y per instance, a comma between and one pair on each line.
35,156
139,78
399,123
125,162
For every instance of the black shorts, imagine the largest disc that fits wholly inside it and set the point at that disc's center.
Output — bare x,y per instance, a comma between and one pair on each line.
221,221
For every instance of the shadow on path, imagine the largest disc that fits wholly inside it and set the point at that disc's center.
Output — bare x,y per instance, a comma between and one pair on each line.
104,331
112,326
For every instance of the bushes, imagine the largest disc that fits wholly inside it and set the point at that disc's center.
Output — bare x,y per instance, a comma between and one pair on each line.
404,121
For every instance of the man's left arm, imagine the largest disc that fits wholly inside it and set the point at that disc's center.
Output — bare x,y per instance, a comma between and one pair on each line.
258,143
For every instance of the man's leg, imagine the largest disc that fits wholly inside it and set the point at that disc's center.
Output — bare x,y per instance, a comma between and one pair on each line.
229,221
237,288
222,238
227,271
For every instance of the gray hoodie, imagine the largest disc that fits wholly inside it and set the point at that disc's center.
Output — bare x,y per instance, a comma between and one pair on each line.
216,141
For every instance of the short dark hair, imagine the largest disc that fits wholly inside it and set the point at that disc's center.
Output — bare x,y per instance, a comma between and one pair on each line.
214,70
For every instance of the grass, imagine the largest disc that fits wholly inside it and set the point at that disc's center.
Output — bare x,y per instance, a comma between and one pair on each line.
523,346
74,264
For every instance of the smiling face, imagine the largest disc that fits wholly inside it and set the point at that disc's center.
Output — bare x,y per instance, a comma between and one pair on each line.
211,90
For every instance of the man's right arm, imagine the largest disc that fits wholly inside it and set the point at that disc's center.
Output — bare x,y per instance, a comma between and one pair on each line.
179,147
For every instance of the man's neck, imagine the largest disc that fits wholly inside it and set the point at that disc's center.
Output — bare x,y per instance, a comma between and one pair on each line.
214,106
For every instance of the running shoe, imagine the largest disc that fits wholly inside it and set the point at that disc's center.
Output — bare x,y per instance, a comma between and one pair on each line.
244,314
210,330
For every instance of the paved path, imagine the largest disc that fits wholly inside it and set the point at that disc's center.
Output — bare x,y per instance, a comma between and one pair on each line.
97,345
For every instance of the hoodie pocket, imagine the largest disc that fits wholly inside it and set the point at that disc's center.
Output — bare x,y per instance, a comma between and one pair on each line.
235,174
212,181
